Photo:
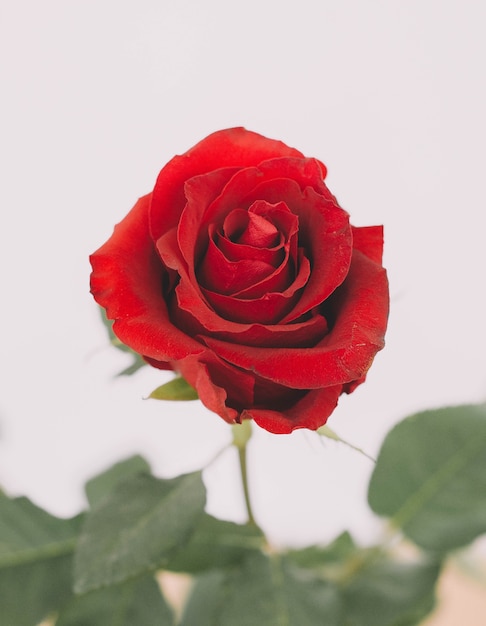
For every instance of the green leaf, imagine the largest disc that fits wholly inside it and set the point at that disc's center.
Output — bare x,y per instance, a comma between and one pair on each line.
263,591
29,534
137,602
430,477
99,486
386,593
35,561
206,599
175,389
30,592
216,543
136,528
367,578
339,551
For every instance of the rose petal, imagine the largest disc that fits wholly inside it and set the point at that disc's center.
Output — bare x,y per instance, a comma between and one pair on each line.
322,220
233,147
200,212
217,273
303,334
297,335
369,241
221,387
267,309
325,233
360,308
215,381
126,280
243,186
311,411
306,172
279,214
257,232
212,396
237,251
200,192
287,225
277,281
160,365
247,277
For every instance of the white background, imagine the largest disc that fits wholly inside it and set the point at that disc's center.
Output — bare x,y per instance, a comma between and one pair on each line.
98,95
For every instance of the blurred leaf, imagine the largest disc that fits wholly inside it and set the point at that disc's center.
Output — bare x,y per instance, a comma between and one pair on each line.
137,364
30,592
99,486
338,562
136,528
29,534
430,477
137,602
216,543
376,590
263,591
340,550
138,361
205,601
386,593
35,561
175,389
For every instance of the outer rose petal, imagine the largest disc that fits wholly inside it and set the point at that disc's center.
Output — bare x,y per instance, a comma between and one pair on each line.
369,241
311,411
213,378
126,281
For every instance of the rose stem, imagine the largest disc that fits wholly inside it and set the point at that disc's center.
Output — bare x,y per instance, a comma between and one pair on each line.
241,436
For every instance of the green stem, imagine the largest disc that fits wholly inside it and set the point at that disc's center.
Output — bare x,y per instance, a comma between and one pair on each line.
244,480
241,436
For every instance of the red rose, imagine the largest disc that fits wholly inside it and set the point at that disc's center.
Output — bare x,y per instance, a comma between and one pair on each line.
241,272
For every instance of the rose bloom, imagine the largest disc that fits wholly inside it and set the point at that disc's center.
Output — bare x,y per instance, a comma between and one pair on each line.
241,273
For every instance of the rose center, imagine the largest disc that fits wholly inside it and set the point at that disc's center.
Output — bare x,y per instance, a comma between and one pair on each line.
249,228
